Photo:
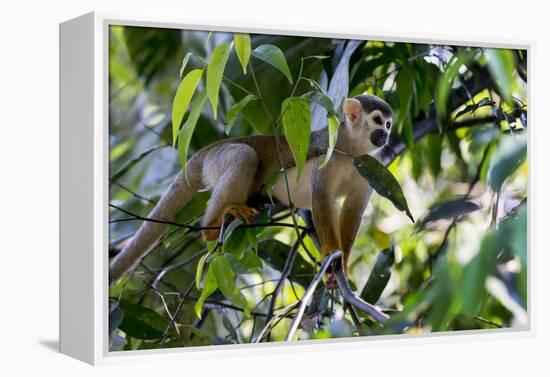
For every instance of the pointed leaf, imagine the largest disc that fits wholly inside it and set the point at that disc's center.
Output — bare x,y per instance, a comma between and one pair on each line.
449,210
379,276
445,84
232,114
382,181
333,127
501,65
511,152
210,286
296,119
182,98
184,62
273,55
214,74
186,132
242,47
141,322
224,278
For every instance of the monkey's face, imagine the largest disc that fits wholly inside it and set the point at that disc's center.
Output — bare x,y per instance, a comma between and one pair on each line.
369,122
379,128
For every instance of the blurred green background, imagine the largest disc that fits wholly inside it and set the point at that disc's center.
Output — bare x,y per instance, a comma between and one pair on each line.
458,149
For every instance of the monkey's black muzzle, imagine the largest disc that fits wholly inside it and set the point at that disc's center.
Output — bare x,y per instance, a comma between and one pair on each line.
379,138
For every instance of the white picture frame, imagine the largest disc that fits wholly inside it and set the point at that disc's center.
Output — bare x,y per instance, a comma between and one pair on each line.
84,189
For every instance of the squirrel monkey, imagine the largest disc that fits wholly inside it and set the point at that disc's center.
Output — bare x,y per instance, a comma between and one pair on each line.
235,169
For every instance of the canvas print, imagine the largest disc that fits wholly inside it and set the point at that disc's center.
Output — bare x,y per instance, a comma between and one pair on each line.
268,188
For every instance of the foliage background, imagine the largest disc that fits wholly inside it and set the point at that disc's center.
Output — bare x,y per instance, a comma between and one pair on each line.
463,270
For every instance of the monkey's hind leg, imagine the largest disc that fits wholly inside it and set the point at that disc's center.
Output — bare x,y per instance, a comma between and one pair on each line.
231,171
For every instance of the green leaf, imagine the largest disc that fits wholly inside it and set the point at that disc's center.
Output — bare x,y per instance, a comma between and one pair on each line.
511,152
445,84
382,181
214,74
379,276
141,322
224,277
249,263
210,286
477,271
501,65
200,269
232,114
186,132
449,210
182,98
296,119
273,55
242,47
184,62
320,98
274,253
333,127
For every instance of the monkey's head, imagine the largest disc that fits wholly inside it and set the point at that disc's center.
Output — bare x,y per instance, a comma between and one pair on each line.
368,122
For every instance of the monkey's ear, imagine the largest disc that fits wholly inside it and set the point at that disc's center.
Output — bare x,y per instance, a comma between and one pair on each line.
353,110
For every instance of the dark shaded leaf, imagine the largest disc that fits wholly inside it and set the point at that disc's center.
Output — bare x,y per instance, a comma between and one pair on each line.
510,153
141,322
501,65
449,210
379,276
382,181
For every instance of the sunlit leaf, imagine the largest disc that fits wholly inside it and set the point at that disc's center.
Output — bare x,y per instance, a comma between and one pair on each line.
234,112
510,153
333,127
273,55
184,62
296,119
224,278
242,47
214,74
382,181
210,286
141,322
186,132
200,269
182,99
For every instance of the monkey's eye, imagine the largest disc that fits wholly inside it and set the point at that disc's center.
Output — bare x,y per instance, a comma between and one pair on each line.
388,125
378,120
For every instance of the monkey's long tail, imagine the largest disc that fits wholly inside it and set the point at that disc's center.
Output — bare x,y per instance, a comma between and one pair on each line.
178,195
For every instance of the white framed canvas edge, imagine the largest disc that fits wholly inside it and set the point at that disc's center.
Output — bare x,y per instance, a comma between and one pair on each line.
78,278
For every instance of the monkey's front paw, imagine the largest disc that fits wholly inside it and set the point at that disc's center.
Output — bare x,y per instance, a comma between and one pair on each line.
239,211
210,234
